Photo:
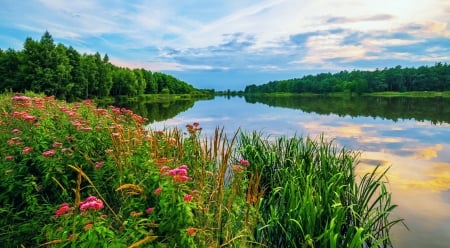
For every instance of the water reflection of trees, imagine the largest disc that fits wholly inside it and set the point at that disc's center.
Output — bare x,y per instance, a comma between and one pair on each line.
158,111
436,110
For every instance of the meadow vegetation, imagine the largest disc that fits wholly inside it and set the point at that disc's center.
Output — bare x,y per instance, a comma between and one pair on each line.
75,175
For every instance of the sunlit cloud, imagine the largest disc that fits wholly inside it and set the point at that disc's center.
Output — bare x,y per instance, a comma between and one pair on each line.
428,153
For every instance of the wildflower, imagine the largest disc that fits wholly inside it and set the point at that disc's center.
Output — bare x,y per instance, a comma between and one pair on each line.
157,191
181,178
237,168
178,171
48,153
149,210
191,231
87,102
27,150
21,98
63,209
187,197
99,164
16,131
91,202
57,144
244,162
15,141
29,118
9,157
103,216
163,170
86,128
87,226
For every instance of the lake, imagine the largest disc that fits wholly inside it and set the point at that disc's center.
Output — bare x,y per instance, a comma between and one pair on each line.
411,135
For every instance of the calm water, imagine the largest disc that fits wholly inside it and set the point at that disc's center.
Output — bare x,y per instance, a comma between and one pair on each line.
410,135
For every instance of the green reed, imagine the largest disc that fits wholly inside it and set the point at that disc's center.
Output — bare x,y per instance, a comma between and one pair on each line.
312,198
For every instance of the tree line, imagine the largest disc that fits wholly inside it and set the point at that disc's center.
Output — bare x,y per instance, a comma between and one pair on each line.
423,78
54,69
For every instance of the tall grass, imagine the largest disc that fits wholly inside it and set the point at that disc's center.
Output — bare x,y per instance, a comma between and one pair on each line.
312,198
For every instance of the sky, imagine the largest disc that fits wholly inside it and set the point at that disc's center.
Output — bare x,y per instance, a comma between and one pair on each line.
230,44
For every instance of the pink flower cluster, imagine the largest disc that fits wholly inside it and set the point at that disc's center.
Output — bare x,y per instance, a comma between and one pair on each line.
63,209
24,115
194,127
179,174
92,203
49,153
244,162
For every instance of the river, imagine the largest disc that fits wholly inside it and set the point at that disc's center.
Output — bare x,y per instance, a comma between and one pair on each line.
410,135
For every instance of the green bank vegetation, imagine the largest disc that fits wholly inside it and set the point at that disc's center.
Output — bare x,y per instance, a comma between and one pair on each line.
94,177
60,71
396,79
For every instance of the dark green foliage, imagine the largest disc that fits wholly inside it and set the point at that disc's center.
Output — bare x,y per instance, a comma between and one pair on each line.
45,67
424,78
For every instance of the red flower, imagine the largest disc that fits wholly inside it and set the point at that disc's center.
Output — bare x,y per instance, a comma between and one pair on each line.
157,191
63,209
187,197
191,231
149,210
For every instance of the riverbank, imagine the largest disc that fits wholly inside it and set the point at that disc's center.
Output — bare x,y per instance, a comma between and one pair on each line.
379,94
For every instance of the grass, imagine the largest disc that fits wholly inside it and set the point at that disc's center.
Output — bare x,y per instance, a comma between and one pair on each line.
95,177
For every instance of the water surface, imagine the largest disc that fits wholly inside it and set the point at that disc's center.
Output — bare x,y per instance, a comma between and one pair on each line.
412,136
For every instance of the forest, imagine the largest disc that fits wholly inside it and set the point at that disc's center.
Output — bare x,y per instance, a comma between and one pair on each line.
54,69
423,78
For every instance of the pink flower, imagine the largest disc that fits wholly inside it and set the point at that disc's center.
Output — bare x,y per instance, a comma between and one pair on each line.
15,130
99,164
9,157
157,191
187,197
26,150
181,178
244,162
92,203
57,144
149,210
63,209
87,226
48,153
178,171
163,170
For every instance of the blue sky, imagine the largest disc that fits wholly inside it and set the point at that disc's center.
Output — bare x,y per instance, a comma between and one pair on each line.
234,43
